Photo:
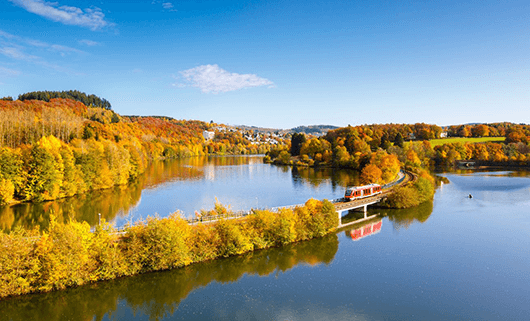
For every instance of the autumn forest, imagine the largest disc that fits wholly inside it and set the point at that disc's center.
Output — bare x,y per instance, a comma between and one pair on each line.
62,147
58,144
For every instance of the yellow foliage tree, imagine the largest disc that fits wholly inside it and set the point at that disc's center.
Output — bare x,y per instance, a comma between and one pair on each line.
7,190
371,174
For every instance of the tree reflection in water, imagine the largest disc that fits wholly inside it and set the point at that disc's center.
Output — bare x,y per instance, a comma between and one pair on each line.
159,294
339,178
119,201
403,218
400,218
110,203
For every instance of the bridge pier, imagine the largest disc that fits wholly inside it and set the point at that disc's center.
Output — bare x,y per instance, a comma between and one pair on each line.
365,211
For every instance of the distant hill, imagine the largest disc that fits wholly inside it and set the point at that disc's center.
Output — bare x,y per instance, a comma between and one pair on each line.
314,129
260,129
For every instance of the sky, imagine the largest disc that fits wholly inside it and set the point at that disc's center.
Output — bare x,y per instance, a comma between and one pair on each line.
277,63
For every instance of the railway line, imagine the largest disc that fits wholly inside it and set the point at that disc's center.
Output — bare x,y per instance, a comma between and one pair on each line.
340,204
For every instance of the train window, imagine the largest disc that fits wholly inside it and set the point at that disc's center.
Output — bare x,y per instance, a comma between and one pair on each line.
349,192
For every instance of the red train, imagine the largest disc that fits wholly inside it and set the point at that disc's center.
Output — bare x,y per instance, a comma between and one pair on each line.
357,192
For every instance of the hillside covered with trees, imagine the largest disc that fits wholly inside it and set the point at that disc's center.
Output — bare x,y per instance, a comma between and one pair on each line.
353,147
61,147
379,151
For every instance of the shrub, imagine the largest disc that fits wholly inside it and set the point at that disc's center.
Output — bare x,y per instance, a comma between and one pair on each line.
284,227
302,224
63,254
262,226
232,240
70,254
204,243
284,158
425,189
19,266
106,253
160,244
403,197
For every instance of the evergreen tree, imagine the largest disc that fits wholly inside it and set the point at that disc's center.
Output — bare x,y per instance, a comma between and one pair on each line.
297,140
87,100
398,141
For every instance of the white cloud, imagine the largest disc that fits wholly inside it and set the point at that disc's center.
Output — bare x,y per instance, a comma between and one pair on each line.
15,53
167,5
89,43
8,72
91,18
212,79
15,47
6,35
15,41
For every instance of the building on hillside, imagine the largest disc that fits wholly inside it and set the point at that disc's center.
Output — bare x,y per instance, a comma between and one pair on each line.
208,135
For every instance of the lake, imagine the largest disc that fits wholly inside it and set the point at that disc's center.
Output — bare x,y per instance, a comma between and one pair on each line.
188,185
455,258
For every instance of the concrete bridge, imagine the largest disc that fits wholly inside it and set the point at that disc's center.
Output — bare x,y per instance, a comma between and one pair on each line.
363,203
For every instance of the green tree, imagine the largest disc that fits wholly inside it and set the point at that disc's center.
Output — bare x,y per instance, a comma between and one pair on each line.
315,146
297,140
399,141
73,182
284,157
11,168
45,170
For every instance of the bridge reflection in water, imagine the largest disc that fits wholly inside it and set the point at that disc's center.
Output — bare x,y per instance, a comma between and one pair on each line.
365,230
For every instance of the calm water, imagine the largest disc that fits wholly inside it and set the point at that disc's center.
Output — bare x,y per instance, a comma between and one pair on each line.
455,258
189,185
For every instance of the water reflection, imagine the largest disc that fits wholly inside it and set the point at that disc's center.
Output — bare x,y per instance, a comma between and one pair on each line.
317,176
188,185
158,295
363,230
490,172
110,203
403,218
491,181
113,202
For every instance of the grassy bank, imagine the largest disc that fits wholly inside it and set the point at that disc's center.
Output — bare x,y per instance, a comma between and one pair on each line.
69,255
463,140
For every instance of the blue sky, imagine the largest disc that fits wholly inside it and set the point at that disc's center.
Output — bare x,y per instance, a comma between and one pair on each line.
275,63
